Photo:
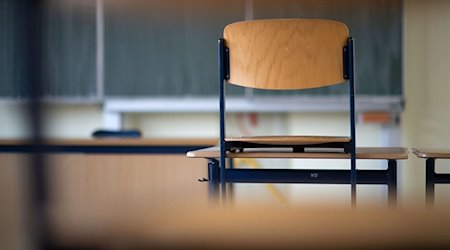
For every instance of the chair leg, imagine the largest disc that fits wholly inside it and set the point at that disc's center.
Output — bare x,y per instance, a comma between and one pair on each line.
223,186
353,181
392,183
222,70
214,179
430,173
353,195
349,58
230,188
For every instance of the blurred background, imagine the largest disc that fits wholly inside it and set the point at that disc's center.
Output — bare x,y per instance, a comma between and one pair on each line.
151,66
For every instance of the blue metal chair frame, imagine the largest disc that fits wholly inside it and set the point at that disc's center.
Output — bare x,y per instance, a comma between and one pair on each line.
280,175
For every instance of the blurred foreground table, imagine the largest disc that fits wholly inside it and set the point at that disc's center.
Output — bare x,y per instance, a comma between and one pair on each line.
254,227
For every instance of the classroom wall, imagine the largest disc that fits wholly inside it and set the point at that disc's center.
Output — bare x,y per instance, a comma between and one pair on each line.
426,120
80,120
60,120
13,120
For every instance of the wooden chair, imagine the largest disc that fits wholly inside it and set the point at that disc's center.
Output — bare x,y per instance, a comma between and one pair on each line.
287,54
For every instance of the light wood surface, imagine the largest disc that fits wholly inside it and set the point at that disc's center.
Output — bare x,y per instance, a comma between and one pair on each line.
394,153
257,227
290,140
15,202
104,183
94,181
115,141
432,153
286,53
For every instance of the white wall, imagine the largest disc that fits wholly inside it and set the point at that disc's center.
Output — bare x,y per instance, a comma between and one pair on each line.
60,120
13,120
426,120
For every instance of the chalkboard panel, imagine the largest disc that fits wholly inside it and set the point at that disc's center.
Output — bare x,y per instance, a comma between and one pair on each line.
166,48
376,26
169,48
12,53
67,53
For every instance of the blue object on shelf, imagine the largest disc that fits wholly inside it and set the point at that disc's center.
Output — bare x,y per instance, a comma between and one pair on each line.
117,133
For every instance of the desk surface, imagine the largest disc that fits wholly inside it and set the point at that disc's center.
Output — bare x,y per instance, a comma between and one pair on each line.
394,153
432,153
115,141
107,145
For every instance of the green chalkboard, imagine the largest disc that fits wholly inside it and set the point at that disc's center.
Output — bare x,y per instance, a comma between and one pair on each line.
12,53
67,53
169,48
376,26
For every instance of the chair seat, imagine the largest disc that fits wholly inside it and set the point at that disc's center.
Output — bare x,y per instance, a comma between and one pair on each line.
297,143
289,140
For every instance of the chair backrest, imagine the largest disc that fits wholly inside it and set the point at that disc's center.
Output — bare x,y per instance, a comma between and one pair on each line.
286,53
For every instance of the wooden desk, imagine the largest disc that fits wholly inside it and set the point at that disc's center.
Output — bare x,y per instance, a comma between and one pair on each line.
70,162
107,145
432,153
380,153
388,176
97,174
432,178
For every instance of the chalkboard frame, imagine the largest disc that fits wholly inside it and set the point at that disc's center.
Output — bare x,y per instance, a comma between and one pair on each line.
255,12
